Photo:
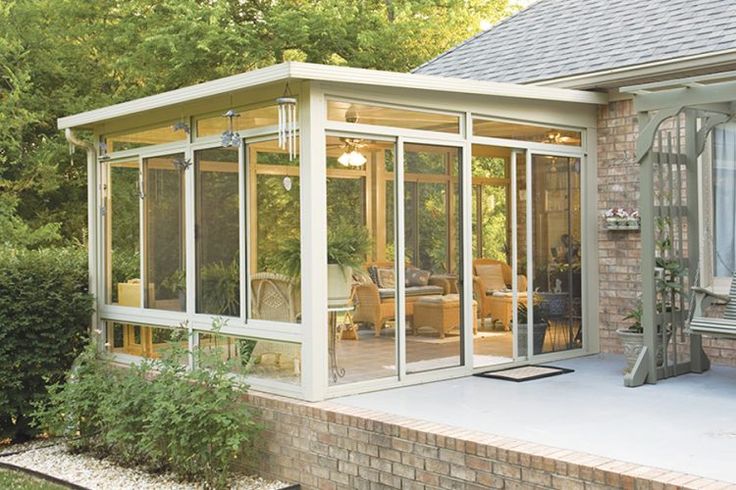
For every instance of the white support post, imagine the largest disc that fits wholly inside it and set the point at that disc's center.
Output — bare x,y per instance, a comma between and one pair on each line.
514,258
313,215
529,259
190,257
466,203
399,259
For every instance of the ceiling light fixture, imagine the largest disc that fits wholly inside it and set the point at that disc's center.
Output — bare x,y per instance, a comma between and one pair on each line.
351,156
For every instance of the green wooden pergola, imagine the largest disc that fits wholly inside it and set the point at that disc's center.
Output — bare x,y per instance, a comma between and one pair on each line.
675,121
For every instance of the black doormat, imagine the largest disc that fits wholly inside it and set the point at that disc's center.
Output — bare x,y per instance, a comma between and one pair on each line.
525,373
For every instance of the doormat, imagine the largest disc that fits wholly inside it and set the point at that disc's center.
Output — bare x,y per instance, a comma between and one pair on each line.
525,373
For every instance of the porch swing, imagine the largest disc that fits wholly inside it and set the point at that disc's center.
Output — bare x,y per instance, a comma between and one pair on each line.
675,121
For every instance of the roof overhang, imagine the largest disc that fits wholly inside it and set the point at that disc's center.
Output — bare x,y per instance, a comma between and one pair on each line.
617,77
327,73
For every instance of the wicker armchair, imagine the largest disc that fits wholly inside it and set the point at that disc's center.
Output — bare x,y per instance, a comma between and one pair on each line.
370,308
276,297
486,301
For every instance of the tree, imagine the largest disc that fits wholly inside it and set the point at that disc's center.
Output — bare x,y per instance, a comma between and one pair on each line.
59,57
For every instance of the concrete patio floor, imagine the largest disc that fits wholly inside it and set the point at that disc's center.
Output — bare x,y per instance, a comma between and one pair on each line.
686,424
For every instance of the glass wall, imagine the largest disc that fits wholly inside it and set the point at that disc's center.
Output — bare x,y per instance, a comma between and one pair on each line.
146,341
247,118
432,239
163,204
526,132
122,234
169,132
217,234
398,117
557,253
274,245
361,272
492,278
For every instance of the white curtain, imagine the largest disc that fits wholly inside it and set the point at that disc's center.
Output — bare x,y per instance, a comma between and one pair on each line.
724,200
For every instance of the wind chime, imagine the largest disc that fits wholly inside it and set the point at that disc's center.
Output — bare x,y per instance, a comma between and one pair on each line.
287,122
229,137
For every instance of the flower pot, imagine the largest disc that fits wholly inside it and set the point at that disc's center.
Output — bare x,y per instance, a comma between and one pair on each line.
632,343
339,281
540,332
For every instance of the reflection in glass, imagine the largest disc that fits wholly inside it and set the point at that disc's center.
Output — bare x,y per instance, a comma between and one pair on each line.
122,225
361,272
432,237
217,231
274,234
164,233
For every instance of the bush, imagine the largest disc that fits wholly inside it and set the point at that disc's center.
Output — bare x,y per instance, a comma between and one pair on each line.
156,414
44,321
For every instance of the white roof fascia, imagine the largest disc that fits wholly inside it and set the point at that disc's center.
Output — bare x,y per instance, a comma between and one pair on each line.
634,72
340,74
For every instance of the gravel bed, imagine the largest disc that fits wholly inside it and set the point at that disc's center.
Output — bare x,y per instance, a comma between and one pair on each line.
94,473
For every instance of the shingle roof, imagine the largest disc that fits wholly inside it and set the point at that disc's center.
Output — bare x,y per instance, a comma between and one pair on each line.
558,38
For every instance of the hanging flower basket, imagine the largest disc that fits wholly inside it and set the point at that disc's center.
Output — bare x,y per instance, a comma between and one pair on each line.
622,219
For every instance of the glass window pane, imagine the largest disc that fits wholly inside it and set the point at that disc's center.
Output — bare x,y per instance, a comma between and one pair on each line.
275,244
354,112
164,238
557,253
432,237
147,341
138,138
724,200
492,255
256,358
246,119
526,132
360,268
122,225
217,231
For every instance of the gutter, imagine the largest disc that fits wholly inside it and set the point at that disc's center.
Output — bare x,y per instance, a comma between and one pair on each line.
620,76
92,232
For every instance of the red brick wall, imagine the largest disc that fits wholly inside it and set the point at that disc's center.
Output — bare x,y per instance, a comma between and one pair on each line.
332,447
620,251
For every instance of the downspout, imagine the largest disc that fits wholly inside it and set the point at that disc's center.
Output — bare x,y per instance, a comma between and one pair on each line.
92,232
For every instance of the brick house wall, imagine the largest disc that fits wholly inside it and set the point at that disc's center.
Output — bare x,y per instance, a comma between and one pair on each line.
620,251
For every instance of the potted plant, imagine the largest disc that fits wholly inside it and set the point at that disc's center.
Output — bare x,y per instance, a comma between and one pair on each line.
347,248
667,274
541,321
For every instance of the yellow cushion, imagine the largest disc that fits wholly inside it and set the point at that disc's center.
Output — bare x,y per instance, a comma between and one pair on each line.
491,276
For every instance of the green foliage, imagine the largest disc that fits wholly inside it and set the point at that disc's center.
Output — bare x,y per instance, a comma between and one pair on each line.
156,414
59,57
220,288
44,320
15,480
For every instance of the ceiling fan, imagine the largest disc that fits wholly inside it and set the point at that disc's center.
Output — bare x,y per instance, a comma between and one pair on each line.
351,155
557,138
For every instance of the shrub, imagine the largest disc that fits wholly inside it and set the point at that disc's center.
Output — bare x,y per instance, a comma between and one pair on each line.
44,320
156,414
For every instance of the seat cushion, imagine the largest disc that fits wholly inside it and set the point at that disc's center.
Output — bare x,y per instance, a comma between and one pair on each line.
417,277
386,278
385,293
491,276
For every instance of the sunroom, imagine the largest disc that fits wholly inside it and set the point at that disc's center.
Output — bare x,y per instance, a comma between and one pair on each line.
337,230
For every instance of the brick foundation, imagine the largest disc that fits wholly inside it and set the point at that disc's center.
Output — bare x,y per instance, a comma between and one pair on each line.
328,446
620,252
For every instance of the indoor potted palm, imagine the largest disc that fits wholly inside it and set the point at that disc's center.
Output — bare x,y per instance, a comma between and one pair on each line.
348,246
541,321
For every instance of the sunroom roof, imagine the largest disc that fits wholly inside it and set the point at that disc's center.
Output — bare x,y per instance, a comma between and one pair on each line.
326,73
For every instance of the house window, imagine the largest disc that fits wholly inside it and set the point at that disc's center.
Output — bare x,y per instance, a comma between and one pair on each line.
258,117
397,117
724,200
139,138
216,231
526,132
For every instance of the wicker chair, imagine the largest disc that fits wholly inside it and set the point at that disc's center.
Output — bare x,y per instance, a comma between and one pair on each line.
276,297
486,301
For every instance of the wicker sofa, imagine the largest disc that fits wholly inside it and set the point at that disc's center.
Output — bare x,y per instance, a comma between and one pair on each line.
376,305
